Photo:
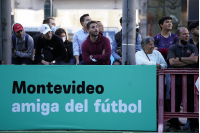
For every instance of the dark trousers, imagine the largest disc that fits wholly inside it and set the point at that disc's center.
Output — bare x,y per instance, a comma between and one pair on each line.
190,105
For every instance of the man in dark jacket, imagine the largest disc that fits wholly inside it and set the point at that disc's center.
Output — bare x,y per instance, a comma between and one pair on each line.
52,47
96,48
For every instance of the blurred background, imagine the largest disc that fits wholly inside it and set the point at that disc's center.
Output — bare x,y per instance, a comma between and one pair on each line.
30,13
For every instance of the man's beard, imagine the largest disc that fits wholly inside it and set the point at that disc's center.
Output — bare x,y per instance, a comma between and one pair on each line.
196,34
184,42
94,35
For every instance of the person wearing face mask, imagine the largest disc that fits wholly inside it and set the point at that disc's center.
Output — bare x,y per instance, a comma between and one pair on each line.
78,38
49,21
50,49
67,44
183,55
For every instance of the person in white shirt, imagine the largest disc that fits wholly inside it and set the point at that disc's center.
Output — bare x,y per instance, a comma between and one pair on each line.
149,56
78,38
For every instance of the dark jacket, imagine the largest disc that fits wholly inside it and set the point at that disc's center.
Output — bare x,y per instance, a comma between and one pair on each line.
55,45
69,46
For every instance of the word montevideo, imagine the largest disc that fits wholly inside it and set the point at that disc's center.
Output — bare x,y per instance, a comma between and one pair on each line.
49,88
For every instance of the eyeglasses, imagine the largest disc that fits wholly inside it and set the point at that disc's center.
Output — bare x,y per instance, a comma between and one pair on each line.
19,31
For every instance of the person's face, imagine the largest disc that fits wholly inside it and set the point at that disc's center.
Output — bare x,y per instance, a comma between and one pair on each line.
195,31
19,33
184,35
100,25
63,36
94,29
167,25
52,23
149,47
86,19
47,36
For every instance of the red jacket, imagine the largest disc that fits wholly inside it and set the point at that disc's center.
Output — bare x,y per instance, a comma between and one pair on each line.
95,48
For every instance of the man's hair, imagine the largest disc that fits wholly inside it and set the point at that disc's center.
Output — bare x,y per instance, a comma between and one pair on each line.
161,20
89,23
82,18
146,40
193,25
98,21
47,20
120,20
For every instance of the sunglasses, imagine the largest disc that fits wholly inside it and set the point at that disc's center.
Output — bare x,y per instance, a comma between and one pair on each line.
19,31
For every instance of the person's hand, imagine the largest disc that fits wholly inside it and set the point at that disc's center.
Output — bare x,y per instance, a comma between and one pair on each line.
66,49
14,51
158,66
90,57
103,52
25,51
192,55
53,62
45,62
77,62
120,60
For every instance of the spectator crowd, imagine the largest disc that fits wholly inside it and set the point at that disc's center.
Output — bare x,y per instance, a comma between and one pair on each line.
91,47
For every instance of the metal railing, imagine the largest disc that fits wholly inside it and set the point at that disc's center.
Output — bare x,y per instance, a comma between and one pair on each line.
164,116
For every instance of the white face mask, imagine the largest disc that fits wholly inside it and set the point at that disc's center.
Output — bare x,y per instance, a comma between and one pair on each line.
64,39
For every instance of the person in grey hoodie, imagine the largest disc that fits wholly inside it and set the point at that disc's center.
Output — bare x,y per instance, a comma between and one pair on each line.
22,46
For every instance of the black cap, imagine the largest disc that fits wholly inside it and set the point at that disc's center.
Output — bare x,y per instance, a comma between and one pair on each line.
193,25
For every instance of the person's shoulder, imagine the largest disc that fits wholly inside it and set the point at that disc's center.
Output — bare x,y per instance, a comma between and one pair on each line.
37,36
84,44
119,32
139,52
173,46
79,32
192,45
173,35
156,52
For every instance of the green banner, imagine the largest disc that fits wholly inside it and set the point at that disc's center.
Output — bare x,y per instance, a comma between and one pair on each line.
78,97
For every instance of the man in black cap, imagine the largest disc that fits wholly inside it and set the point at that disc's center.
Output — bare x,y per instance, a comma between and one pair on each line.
194,29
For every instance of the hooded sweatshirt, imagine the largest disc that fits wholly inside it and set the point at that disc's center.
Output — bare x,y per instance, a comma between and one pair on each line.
95,49
20,46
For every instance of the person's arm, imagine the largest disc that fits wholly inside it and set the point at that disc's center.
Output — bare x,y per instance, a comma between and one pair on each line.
86,55
113,51
33,54
106,56
176,62
138,43
162,61
141,59
76,48
190,60
29,52
38,53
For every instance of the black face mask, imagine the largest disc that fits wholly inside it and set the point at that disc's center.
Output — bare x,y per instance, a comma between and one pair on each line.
184,42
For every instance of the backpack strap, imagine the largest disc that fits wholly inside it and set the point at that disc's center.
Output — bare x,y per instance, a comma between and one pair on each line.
158,37
26,40
13,40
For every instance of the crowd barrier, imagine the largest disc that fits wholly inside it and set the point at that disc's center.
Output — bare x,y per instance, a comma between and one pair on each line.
164,116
